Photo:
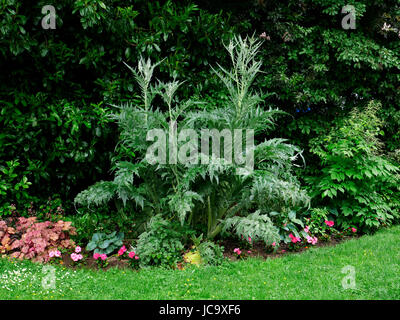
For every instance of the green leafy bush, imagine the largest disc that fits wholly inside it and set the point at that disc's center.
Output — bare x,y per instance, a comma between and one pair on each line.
88,221
103,243
356,177
161,244
13,188
290,222
210,252
316,221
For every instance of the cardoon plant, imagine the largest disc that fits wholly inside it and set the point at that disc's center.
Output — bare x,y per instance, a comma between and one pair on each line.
206,189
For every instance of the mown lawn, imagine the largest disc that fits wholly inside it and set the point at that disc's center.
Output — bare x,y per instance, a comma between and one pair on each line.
315,274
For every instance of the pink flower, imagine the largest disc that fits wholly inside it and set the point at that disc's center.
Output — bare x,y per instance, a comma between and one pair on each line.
329,223
96,256
249,251
78,249
294,239
283,251
273,244
80,257
353,230
237,250
57,253
121,251
103,256
136,257
312,240
249,239
306,229
51,254
131,254
74,257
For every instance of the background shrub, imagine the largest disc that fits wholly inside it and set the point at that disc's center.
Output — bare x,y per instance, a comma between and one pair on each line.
356,177
57,86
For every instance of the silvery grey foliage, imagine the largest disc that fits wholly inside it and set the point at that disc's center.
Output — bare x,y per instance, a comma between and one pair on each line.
204,193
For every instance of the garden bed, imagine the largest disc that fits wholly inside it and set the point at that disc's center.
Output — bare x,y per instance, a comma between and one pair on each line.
257,250
314,274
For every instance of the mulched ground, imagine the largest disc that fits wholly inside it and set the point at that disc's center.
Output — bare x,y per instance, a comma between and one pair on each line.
256,250
92,263
259,249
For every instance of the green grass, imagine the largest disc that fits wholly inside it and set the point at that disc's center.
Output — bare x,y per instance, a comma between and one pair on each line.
315,274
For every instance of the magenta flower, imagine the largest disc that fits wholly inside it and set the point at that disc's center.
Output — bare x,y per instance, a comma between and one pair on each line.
329,223
306,229
294,239
237,251
353,230
249,239
103,256
121,251
57,253
131,254
96,256
273,244
136,258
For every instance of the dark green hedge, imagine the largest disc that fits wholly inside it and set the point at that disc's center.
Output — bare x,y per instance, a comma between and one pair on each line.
56,86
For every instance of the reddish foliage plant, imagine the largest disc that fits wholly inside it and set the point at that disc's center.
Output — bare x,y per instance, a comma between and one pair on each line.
33,240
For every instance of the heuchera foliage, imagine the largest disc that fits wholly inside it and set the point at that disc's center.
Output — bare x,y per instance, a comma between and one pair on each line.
26,238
